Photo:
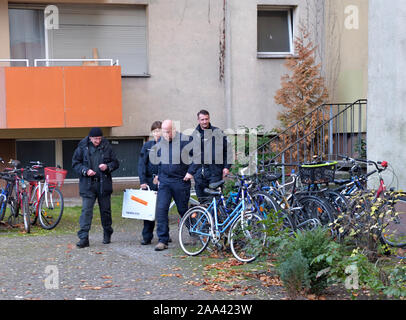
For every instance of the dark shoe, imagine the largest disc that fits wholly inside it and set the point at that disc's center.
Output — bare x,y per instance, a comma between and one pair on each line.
145,242
161,246
106,237
83,243
169,240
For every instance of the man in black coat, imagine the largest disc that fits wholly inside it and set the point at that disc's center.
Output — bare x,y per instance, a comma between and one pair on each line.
213,157
173,155
94,160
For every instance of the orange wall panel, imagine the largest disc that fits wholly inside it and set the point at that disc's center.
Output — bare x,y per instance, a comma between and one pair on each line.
35,97
94,97
60,97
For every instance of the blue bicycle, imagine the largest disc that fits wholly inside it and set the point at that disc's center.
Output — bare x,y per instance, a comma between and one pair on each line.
201,225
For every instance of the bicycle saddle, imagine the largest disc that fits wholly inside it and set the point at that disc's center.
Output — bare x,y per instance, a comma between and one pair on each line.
217,184
341,181
273,176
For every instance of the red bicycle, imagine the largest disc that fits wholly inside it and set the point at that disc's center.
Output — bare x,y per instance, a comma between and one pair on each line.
46,200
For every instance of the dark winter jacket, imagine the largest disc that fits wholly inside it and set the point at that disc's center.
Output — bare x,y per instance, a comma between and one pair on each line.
81,164
213,154
146,169
172,157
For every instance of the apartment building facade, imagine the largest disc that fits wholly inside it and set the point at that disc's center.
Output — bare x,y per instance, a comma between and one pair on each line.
165,59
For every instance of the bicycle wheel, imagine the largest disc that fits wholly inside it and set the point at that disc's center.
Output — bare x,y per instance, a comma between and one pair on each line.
394,222
33,205
337,201
247,237
25,211
14,217
195,230
317,208
50,208
265,206
3,206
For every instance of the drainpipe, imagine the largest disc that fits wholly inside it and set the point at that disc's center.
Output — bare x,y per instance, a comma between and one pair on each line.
227,66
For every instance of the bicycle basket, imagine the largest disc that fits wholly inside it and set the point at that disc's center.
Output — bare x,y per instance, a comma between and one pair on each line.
317,173
55,176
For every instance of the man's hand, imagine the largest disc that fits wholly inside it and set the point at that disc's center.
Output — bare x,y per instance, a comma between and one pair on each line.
90,173
144,186
155,181
226,172
103,167
187,177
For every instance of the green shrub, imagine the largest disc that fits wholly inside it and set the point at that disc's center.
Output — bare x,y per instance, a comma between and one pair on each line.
294,273
311,244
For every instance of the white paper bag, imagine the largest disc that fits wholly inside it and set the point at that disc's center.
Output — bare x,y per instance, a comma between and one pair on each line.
139,204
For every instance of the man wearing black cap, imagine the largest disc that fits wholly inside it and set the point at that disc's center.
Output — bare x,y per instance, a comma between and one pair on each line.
94,160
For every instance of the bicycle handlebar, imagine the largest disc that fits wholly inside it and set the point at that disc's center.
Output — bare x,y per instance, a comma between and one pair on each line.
383,164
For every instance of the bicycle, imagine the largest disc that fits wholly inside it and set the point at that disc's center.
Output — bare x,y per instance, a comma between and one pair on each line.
201,225
46,200
305,211
19,200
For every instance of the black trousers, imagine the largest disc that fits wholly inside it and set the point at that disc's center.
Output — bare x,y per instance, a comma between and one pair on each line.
180,192
88,201
148,230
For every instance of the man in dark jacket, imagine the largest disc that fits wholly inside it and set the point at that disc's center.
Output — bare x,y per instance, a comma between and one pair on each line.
148,172
215,158
173,155
94,160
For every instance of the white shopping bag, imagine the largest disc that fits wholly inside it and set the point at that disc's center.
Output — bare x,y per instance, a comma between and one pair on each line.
139,204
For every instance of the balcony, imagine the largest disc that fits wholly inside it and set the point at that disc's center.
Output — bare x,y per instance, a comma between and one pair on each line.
60,97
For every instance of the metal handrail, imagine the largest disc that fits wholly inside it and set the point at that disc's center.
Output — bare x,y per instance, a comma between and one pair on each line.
306,116
112,62
318,127
27,62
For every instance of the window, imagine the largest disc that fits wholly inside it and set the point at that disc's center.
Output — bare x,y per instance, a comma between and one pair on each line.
275,32
85,31
36,150
127,152
27,37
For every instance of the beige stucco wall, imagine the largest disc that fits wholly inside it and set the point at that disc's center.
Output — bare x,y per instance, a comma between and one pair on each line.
183,60
346,50
183,54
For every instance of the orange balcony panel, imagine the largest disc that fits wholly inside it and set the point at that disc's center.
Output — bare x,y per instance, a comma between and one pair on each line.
60,97
94,97
34,97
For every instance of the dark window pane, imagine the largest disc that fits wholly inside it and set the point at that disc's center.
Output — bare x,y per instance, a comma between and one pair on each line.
127,151
68,148
273,31
43,151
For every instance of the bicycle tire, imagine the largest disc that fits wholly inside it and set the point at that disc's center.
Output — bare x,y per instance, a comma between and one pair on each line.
14,211
50,208
25,211
337,201
33,206
195,231
245,235
317,208
3,206
266,205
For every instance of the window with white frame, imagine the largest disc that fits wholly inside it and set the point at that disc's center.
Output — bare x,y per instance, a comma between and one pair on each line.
275,32
84,32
